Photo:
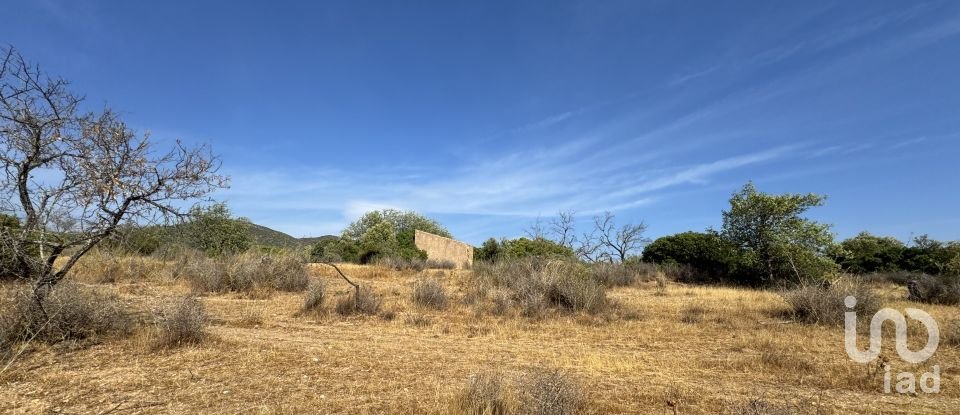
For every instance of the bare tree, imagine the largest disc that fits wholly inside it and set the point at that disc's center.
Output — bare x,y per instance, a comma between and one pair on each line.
535,230
562,228
619,242
589,247
73,177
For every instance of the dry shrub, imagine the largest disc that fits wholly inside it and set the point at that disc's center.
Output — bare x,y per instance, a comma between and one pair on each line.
538,284
764,407
693,314
69,312
104,267
249,272
402,264
501,302
935,290
417,320
182,321
364,301
774,356
475,295
440,264
388,315
823,303
613,274
550,392
485,393
951,333
537,392
680,272
251,316
661,285
429,293
314,298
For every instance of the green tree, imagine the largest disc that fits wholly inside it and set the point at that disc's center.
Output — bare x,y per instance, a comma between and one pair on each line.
781,243
490,250
867,253
713,257
216,232
930,256
404,225
378,242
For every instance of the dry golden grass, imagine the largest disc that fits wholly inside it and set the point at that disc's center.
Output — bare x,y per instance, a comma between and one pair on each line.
641,356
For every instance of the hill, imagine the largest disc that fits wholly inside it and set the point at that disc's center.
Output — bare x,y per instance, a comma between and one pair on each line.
262,235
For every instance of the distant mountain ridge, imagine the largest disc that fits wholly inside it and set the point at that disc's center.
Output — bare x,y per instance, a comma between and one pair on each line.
262,235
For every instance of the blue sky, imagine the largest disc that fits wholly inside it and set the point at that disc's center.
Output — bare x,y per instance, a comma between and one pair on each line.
488,115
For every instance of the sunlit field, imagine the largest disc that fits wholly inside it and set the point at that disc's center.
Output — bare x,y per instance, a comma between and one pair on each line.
656,348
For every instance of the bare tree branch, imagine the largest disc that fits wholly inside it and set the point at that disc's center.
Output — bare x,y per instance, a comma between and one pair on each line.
74,177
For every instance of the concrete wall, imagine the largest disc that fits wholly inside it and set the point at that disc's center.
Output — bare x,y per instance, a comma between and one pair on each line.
439,248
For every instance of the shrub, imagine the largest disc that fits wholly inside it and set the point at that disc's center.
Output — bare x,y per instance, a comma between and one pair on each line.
764,407
661,286
440,264
612,274
577,293
429,293
103,267
314,298
288,272
538,283
490,250
363,302
951,332
550,392
402,264
484,394
501,302
536,247
693,314
712,258
866,253
825,303
935,290
70,312
215,231
418,320
182,321
249,272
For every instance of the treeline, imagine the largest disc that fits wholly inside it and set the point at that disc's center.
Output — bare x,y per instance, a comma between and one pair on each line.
765,239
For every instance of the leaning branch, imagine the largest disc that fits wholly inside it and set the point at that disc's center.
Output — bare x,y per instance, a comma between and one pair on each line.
356,287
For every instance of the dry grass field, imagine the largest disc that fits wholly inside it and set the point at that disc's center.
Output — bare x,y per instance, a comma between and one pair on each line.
685,349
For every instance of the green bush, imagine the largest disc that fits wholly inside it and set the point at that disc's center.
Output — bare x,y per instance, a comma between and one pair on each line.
537,247
712,258
490,250
866,253
932,257
216,232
